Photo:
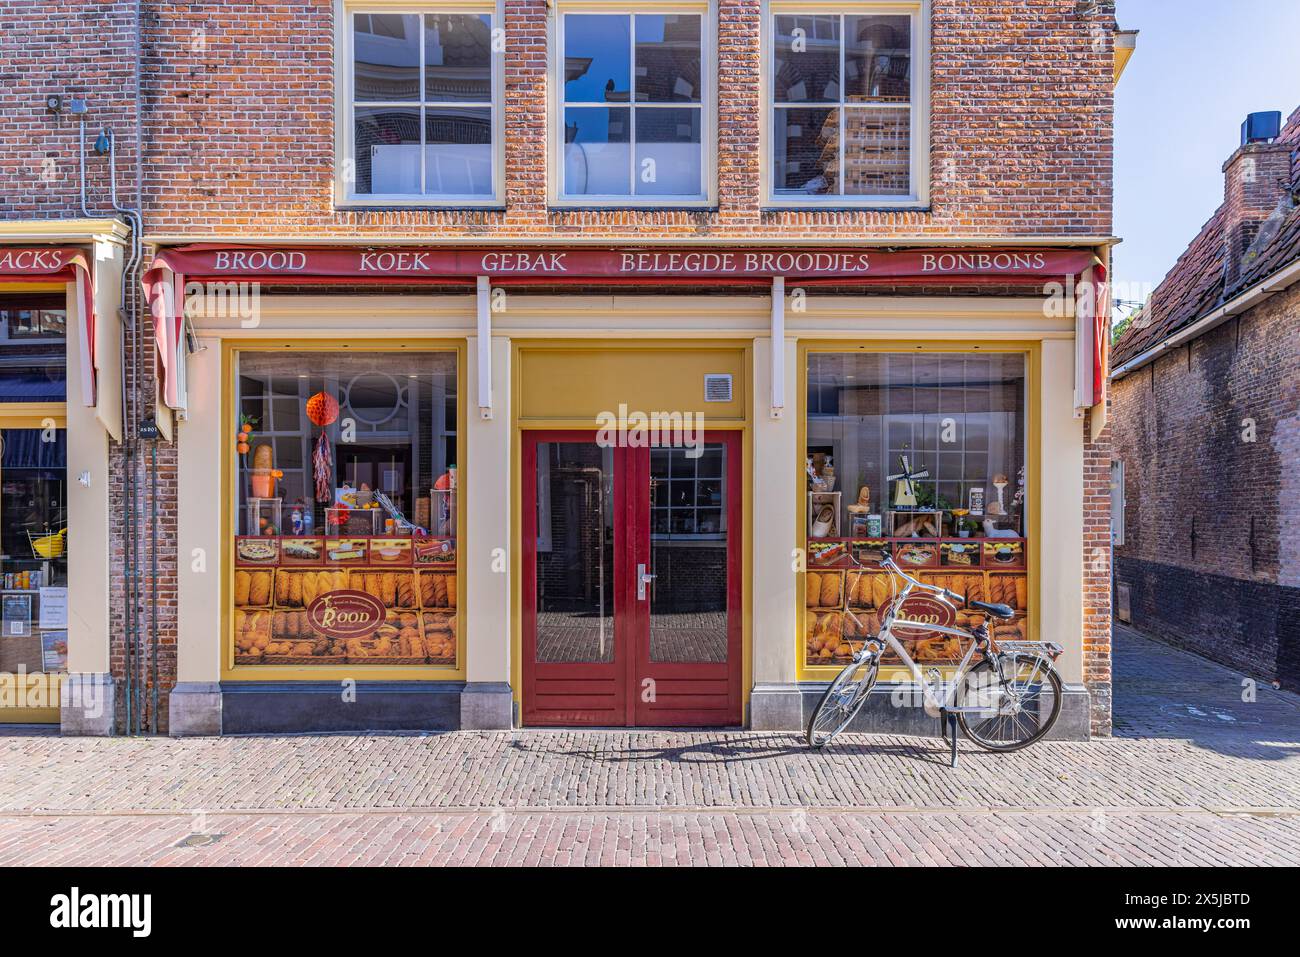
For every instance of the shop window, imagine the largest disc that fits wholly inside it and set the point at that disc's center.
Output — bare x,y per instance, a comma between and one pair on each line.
33,349
345,548
634,126
33,551
843,86
423,109
920,456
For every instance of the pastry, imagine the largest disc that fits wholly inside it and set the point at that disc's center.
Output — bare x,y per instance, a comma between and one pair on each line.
242,582
830,591
406,591
449,583
259,588
813,589
1022,593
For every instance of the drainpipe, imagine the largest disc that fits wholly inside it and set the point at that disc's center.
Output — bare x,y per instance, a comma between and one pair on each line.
131,638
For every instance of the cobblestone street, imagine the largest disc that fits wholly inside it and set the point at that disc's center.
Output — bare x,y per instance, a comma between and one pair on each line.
1194,775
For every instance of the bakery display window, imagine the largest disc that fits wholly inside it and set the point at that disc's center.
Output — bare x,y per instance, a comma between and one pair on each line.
920,456
345,546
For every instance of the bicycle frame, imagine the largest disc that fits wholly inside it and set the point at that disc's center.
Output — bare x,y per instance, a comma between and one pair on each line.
979,641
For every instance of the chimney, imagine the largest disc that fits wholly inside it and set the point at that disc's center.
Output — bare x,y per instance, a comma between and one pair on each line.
1256,177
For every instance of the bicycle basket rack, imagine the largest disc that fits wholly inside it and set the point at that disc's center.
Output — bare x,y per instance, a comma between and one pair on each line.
1049,648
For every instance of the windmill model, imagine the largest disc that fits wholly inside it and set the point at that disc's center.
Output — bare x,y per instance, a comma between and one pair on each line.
904,487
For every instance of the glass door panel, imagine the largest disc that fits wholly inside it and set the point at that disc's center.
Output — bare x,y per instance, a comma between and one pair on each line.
688,555
574,565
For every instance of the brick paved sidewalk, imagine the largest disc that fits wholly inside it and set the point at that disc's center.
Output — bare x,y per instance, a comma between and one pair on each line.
1195,773
1004,838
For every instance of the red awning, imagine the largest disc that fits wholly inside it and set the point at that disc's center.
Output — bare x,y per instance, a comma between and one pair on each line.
59,264
1101,337
212,262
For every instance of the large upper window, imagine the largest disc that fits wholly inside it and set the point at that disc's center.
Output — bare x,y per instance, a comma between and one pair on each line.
843,85
634,123
422,98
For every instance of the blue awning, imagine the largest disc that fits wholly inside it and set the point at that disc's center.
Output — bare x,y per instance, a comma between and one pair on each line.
26,449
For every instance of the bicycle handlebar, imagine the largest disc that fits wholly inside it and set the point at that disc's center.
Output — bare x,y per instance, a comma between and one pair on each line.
889,565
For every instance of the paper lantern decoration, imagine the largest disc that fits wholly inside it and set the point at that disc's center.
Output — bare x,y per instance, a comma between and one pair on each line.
322,409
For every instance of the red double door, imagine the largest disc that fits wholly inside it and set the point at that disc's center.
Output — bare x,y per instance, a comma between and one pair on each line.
631,582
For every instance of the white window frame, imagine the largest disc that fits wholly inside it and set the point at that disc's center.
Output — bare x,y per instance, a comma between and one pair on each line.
707,11
1118,502
919,139
344,125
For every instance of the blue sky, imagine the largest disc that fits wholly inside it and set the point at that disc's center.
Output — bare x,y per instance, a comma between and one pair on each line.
1200,67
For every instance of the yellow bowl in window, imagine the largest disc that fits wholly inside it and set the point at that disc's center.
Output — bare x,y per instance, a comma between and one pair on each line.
49,546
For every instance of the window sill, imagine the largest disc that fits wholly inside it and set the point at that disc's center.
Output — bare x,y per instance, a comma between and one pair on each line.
912,206
596,206
386,204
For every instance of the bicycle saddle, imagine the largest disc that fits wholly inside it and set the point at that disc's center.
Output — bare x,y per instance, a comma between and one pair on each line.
997,611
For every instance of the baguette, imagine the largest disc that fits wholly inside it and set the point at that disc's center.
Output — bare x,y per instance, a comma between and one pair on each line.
812,589
830,590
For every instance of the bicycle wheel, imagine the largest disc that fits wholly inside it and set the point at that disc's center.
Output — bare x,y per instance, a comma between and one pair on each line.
842,700
1013,713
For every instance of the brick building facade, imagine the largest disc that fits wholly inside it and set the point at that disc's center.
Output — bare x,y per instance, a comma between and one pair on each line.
1204,417
239,108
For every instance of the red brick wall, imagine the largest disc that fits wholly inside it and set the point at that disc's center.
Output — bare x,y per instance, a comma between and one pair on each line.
241,133
1096,574
82,50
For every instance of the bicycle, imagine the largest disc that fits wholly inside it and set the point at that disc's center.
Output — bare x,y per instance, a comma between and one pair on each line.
1005,701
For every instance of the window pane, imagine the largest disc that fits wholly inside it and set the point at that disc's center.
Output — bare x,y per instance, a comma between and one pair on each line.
458,151
667,59
307,536
458,57
597,54
386,48
388,149
33,549
876,153
668,155
804,144
806,60
966,484
33,361
878,59
597,151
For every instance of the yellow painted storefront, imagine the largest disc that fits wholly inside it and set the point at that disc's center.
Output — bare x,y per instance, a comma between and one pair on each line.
87,428
556,362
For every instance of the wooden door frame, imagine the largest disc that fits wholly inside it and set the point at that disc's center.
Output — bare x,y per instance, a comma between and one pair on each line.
631,505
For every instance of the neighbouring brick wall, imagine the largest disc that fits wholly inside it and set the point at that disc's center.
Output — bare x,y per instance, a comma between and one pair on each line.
1210,435
241,129
1097,457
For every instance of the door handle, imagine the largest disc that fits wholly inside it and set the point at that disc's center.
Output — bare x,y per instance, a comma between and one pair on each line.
642,579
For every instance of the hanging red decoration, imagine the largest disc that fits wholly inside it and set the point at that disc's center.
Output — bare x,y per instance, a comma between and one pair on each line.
322,409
